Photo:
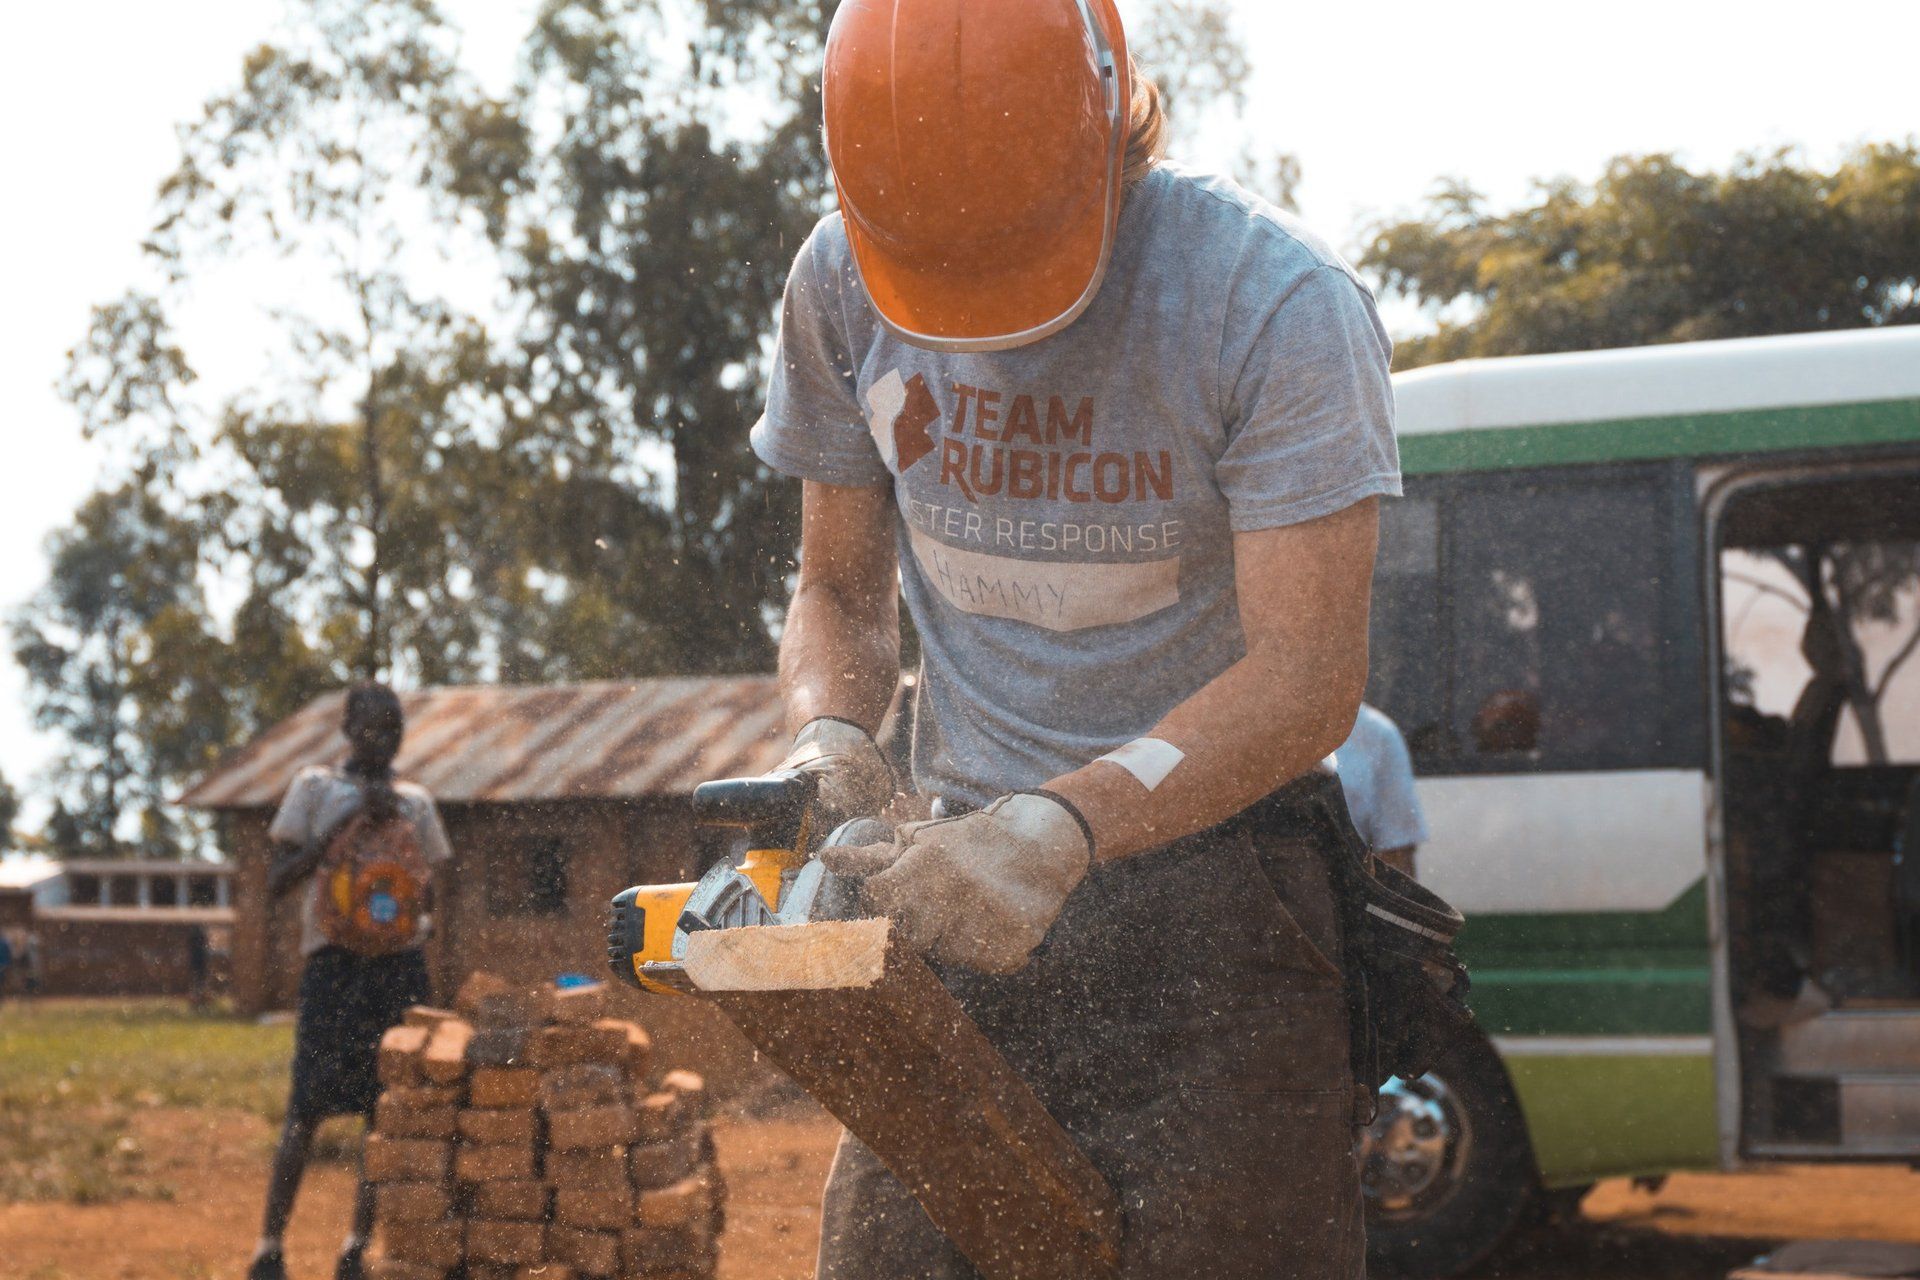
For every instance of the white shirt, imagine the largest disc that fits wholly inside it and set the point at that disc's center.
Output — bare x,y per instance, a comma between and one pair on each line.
317,802
1377,772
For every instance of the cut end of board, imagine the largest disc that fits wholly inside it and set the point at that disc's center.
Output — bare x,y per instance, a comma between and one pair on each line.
833,955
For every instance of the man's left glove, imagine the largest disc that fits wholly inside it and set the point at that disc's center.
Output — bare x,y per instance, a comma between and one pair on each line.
855,779
979,891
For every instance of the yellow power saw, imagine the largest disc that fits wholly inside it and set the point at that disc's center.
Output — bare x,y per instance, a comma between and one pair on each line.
779,880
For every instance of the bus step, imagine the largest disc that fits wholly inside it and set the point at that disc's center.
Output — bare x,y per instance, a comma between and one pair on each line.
1852,1112
1852,1040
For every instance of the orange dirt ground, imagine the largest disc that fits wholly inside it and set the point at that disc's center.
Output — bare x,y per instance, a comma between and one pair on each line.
1696,1228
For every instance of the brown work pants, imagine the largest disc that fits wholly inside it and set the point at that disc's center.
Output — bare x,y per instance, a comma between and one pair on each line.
1187,1023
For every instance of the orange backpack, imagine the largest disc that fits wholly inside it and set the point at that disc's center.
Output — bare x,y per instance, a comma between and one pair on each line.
373,880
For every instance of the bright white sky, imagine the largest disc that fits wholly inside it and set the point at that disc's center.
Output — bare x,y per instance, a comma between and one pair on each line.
1377,101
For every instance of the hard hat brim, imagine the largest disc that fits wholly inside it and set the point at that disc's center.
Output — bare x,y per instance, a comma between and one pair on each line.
973,303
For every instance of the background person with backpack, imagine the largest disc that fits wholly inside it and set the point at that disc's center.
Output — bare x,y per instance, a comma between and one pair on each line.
361,846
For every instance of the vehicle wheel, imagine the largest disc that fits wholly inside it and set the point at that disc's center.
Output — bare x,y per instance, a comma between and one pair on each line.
1446,1166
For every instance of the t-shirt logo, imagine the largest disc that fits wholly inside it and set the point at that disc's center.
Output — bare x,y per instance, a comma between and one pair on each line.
901,412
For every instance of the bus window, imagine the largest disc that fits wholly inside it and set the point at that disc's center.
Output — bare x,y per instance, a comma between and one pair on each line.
1555,593
1873,593
1406,681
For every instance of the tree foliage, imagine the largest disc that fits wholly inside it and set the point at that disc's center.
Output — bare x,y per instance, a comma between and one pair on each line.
121,612
1655,252
9,814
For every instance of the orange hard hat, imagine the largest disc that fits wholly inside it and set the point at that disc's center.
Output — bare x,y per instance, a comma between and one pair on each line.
977,146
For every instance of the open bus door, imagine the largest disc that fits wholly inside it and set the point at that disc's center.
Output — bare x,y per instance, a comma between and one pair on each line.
1817,750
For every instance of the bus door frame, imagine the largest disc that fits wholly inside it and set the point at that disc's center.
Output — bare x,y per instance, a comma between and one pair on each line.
1718,483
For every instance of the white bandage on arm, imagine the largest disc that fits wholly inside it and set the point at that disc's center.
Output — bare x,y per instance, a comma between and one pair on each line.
1148,759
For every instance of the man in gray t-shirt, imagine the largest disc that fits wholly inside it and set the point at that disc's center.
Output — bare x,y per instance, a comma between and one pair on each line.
1067,510
1114,430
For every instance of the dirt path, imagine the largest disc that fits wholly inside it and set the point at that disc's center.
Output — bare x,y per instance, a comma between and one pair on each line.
1696,1228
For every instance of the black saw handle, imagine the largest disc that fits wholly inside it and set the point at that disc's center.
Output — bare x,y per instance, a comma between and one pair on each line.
771,809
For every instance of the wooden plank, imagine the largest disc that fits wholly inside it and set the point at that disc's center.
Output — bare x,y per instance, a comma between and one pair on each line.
863,1025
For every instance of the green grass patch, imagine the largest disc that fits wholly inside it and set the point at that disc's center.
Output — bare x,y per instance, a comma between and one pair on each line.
140,1054
73,1073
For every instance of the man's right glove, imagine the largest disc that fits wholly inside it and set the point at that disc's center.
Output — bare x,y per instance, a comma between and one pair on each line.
981,890
855,779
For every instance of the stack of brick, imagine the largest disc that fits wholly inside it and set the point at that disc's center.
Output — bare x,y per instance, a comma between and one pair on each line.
528,1137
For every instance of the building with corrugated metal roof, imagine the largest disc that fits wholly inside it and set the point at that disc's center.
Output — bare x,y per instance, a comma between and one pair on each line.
115,926
555,799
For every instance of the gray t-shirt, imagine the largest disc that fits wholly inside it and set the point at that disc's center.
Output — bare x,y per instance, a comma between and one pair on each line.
1376,771
319,800
1068,508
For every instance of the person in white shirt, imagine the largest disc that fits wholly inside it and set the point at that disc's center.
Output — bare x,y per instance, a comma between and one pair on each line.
348,997
1376,770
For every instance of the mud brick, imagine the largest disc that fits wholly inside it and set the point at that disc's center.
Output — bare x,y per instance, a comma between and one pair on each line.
595,1253
593,1210
497,1125
590,1127
406,1160
661,1164
490,1240
690,1085
394,1118
661,1116
445,1061
639,1045
476,988
562,1046
521,1007
400,1051
503,1087
600,1168
427,1016
651,1249
491,1271
473,1163
579,1006
684,1203
511,1199
546,1270
584,1084
436,1244
395,1269
422,1097
499,1047
411,1202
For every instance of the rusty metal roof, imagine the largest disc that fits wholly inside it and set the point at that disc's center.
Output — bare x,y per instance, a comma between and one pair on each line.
501,745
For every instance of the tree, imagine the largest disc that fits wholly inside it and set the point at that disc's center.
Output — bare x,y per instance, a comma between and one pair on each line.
1654,252
123,592
9,814
326,153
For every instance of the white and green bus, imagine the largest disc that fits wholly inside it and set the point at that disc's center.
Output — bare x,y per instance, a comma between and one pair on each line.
1648,619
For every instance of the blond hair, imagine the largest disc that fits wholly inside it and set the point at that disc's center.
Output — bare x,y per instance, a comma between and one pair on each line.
1147,140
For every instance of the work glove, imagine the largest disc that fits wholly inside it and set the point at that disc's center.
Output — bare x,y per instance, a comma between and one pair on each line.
855,780
978,891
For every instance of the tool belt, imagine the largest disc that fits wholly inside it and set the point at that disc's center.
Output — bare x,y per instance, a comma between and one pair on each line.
1406,988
